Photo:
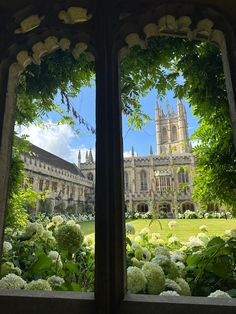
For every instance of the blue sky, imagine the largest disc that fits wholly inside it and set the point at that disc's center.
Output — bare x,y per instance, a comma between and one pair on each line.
62,141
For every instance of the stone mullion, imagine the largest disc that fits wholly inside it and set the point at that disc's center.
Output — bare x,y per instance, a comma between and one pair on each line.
109,199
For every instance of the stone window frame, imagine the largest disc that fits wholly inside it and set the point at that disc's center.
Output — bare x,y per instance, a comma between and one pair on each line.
110,292
143,180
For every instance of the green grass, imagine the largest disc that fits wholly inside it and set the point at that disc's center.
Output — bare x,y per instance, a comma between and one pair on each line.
184,229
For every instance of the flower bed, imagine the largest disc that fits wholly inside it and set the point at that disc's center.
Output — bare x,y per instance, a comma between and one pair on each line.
53,254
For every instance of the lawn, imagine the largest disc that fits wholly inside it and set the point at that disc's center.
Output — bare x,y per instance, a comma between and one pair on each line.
184,229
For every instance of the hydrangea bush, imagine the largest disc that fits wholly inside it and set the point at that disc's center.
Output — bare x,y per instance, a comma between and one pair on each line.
51,253
200,266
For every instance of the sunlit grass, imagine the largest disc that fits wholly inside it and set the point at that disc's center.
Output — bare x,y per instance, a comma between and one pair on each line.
184,229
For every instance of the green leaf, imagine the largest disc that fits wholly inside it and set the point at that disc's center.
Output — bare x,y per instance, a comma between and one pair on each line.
43,263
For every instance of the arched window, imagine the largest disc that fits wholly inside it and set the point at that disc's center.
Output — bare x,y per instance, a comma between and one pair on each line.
90,176
164,135
183,176
143,180
187,206
142,208
174,133
212,207
165,207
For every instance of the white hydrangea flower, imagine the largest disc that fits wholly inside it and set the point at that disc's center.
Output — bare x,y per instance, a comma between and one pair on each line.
155,277
135,245
160,250
39,284
203,228
227,232
12,281
57,220
180,266
194,241
130,229
9,267
145,231
185,289
48,235
89,240
54,255
219,294
171,270
6,247
172,224
169,293
178,256
160,242
55,281
146,254
202,235
34,228
161,260
232,233
138,253
136,262
173,240
56,258
136,281
71,222
172,285
139,239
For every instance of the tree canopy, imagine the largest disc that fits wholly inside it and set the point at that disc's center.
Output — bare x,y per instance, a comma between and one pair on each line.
156,67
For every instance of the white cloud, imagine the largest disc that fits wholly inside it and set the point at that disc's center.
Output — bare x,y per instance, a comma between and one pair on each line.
129,154
195,143
56,139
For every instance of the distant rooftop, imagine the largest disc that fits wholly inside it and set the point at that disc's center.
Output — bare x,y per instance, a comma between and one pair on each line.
54,160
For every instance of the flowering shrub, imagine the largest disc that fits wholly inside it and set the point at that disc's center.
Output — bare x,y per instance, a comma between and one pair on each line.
199,266
200,214
49,254
52,254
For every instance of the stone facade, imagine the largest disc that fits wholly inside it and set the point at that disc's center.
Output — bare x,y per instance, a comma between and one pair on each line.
160,182
68,189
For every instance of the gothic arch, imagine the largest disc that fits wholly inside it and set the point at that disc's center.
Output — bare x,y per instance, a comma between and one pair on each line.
143,180
114,274
165,207
164,135
142,208
174,135
187,206
183,175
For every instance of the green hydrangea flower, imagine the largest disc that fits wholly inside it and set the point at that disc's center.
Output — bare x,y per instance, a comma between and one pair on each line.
12,281
219,294
184,286
130,229
155,277
172,285
69,238
160,250
172,271
9,267
169,293
39,284
55,281
136,281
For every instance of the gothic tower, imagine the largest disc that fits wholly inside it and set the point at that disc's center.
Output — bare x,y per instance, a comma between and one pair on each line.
171,130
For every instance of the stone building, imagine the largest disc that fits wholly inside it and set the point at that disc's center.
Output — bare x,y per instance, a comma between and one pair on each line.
160,182
68,189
